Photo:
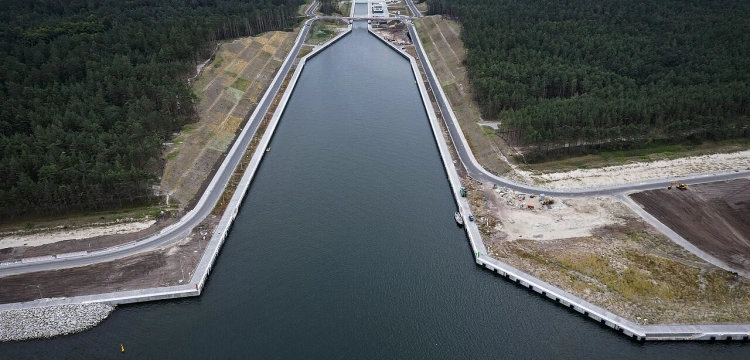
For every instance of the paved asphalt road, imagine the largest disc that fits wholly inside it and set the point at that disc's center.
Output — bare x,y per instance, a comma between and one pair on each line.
415,12
182,228
477,172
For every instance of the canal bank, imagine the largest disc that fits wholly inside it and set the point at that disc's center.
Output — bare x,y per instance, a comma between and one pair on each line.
73,308
708,332
345,247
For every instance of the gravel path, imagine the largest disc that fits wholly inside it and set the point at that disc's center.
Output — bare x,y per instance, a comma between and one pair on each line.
51,321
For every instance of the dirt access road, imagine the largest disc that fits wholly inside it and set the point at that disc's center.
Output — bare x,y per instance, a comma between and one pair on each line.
715,217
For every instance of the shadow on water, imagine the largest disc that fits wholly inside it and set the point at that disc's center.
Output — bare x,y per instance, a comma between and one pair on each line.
345,247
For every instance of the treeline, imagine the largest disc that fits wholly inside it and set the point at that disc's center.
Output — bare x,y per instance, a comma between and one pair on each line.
566,77
329,7
90,89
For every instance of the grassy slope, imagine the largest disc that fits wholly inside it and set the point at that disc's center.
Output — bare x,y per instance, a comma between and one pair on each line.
445,50
229,89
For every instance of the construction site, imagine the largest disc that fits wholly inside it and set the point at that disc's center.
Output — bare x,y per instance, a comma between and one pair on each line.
600,250
713,217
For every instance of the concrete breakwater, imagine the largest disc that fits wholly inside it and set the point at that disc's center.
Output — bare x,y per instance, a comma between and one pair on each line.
51,320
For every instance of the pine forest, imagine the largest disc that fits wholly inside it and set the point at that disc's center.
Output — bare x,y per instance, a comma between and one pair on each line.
90,89
572,76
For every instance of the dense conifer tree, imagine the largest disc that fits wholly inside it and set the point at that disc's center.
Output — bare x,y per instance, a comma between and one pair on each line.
89,90
571,76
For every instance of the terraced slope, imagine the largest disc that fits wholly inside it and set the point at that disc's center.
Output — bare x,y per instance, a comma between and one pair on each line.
229,90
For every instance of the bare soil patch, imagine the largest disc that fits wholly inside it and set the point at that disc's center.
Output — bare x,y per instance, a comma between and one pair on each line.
42,238
396,34
599,250
715,217
98,238
159,268
633,171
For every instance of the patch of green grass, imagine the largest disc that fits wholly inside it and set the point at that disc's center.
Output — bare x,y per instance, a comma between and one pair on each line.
147,214
345,8
632,283
188,128
304,51
173,155
218,61
320,34
488,130
241,84
30,226
645,152
230,73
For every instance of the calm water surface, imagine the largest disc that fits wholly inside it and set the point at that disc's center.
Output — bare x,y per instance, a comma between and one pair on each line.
346,248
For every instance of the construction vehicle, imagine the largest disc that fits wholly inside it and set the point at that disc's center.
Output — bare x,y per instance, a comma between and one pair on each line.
548,201
679,185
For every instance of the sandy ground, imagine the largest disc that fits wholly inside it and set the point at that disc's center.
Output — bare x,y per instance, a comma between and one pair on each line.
635,172
21,238
163,267
505,214
397,34
599,250
570,218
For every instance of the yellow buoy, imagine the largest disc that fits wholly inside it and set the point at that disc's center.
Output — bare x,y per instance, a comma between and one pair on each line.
122,348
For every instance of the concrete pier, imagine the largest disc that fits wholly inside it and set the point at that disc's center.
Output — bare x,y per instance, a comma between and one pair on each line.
595,313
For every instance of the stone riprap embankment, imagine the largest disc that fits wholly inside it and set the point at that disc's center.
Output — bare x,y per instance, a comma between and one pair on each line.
51,321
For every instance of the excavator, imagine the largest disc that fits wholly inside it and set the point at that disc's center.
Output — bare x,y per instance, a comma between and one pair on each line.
679,185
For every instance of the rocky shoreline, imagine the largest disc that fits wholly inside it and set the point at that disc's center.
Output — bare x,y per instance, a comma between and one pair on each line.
51,321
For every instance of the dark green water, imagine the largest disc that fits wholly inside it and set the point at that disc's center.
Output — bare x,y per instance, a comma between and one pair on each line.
346,248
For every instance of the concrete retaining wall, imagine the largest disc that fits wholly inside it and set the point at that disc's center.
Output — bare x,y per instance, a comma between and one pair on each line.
195,286
600,315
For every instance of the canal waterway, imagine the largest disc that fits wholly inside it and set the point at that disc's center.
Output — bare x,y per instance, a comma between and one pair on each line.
345,247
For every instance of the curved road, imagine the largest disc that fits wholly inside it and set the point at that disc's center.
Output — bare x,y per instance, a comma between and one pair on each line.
204,206
214,190
620,192
478,172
